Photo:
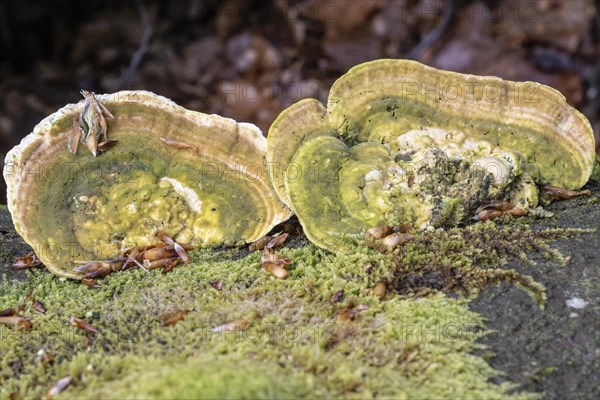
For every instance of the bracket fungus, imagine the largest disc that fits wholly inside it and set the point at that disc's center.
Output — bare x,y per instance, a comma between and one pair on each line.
401,142
200,178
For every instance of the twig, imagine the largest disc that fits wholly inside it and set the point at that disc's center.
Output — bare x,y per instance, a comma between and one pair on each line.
147,32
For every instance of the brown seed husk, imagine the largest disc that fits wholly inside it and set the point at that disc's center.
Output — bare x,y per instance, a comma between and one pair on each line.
397,239
173,315
379,232
83,325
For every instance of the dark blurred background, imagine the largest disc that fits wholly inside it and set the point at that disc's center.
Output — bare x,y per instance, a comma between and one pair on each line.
249,59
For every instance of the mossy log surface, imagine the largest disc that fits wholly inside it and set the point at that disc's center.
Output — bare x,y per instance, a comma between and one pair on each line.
553,352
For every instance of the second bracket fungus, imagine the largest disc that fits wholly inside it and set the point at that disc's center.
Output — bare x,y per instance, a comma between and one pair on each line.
200,178
401,142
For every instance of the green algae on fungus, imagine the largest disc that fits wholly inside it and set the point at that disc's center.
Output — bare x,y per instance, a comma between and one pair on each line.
200,178
440,144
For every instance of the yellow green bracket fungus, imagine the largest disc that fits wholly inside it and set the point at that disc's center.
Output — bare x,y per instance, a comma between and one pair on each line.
200,178
302,121
401,142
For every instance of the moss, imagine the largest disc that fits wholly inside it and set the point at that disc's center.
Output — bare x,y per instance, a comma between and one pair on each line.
213,377
301,341
465,260
596,170
452,213
296,345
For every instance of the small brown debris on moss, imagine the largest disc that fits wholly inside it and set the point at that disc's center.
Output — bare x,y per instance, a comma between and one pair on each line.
379,232
9,312
18,321
232,326
275,264
45,358
91,283
380,289
173,315
397,239
83,325
38,306
58,387
337,297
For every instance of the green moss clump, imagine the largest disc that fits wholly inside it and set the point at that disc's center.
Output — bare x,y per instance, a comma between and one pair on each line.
452,213
297,344
465,260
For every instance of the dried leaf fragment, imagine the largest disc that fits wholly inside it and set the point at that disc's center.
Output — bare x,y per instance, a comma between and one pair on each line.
498,205
46,358
179,249
558,193
178,144
397,239
275,264
38,306
379,232
92,122
517,212
277,241
161,263
403,228
337,297
91,283
486,215
165,255
260,243
170,266
347,314
99,269
83,325
158,253
9,312
217,285
18,321
28,261
74,137
181,253
173,315
106,145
